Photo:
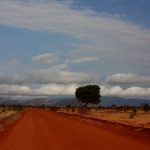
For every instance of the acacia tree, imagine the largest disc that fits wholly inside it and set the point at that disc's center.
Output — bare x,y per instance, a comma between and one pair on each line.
88,94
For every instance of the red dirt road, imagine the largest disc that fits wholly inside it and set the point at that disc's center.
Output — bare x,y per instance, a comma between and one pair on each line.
43,130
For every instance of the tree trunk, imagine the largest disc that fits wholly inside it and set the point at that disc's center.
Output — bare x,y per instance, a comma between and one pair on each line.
85,107
85,104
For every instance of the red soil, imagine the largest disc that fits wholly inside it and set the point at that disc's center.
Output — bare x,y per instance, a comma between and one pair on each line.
44,130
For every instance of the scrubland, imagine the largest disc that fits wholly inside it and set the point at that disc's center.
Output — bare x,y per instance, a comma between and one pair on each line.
5,112
139,118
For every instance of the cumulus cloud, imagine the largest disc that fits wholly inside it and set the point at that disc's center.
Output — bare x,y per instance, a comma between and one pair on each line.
45,58
14,89
55,89
127,78
129,92
46,76
83,59
69,89
44,90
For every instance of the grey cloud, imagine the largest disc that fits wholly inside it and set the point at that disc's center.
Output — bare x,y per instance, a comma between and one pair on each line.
12,78
59,77
47,76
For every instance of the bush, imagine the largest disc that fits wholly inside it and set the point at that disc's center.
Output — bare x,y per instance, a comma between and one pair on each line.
73,109
68,107
146,107
133,113
3,110
54,108
18,107
126,108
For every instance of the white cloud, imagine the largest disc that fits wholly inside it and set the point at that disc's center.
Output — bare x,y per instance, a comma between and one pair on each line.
129,92
14,89
84,59
128,78
69,89
45,58
50,89
55,89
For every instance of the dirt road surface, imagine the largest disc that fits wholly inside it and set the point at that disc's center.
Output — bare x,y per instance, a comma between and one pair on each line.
44,130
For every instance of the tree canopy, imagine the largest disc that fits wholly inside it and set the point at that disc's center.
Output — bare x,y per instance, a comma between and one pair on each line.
88,94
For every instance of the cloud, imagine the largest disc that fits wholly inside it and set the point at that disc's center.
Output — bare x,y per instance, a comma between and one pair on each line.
129,92
45,58
84,59
60,66
44,90
14,89
69,89
55,89
107,37
12,78
45,76
127,78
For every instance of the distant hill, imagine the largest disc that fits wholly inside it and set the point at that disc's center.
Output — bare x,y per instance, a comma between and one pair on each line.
39,102
6,101
107,101
71,100
2,99
33,102
68,101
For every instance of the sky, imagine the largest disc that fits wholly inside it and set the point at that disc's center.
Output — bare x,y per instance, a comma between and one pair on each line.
51,47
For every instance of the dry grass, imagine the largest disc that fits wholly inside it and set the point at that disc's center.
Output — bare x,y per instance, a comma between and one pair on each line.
141,119
4,113
8,117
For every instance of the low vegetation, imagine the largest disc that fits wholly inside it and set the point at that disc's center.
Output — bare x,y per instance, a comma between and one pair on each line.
7,110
